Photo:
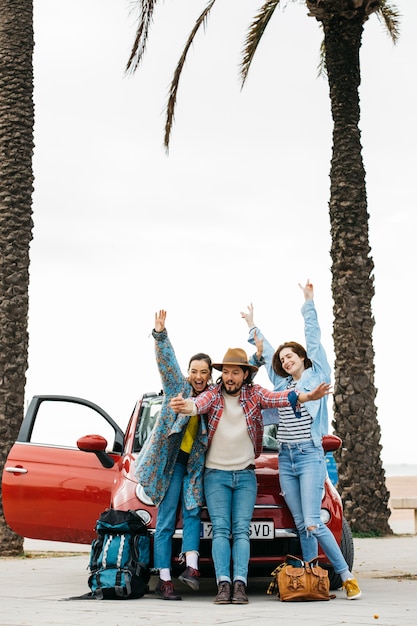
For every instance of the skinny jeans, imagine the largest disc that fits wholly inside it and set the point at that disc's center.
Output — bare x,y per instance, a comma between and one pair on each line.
230,497
302,472
166,521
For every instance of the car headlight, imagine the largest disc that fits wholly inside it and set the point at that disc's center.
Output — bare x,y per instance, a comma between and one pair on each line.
325,516
141,495
145,516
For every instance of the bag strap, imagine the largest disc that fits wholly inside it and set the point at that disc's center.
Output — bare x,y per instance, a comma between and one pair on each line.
273,585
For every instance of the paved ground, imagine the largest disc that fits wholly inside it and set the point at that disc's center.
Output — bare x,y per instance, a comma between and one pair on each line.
34,591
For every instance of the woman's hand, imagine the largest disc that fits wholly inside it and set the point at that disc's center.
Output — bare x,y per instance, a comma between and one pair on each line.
160,318
307,290
249,316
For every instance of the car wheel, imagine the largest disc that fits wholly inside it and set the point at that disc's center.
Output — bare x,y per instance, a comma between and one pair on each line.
346,546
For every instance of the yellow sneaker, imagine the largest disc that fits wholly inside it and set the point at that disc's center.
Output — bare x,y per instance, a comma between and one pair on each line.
352,589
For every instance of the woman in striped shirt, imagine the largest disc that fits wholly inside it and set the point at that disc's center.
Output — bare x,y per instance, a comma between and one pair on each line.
302,463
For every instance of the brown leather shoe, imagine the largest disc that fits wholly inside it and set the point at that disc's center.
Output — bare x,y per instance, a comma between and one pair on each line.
223,593
190,578
239,593
165,590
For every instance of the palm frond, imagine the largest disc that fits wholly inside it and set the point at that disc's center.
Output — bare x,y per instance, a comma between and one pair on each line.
141,38
173,89
321,68
390,16
255,32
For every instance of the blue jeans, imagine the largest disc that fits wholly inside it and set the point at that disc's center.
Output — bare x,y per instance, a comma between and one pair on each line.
302,472
166,520
230,497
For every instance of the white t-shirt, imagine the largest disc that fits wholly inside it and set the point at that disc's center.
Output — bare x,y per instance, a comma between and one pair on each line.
231,447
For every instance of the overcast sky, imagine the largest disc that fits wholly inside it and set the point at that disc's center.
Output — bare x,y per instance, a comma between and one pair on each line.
236,213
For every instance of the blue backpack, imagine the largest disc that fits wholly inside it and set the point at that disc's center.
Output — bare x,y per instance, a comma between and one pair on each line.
120,556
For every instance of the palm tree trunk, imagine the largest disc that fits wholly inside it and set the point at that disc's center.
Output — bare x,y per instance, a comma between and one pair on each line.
16,186
361,474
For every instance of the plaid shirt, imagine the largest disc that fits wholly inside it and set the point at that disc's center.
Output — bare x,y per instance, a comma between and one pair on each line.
252,399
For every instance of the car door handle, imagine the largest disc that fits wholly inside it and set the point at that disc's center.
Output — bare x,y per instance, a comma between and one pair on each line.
16,470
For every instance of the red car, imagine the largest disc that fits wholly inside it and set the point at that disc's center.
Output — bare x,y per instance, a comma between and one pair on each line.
59,477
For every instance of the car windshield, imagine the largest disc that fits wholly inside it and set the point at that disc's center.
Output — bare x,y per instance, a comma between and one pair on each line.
271,420
150,412
148,416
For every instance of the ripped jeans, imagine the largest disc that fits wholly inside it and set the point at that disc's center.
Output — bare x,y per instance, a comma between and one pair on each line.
302,472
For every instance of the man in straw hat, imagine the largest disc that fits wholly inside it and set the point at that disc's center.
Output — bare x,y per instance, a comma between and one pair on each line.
235,428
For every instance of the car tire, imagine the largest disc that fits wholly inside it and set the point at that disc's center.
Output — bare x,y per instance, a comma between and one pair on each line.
346,546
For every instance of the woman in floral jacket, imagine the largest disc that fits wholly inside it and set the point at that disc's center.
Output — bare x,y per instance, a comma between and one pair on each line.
170,466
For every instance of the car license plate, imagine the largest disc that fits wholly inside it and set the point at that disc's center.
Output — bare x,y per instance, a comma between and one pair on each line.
258,530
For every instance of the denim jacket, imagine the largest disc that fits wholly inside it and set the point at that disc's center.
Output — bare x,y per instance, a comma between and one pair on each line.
155,462
320,371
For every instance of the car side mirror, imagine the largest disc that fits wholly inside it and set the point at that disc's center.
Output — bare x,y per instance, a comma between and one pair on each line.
96,444
331,443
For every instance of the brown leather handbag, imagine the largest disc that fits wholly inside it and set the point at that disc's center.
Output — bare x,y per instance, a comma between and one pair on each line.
300,581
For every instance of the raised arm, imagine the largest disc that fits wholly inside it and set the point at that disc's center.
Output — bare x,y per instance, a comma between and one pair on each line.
172,378
264,350
312,332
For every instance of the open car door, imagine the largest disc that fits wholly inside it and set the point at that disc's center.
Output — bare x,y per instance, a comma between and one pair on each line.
52,490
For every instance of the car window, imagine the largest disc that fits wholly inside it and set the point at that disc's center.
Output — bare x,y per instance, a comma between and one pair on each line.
147,421
269,441
61,423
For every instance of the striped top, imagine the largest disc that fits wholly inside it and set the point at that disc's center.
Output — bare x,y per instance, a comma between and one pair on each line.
293,427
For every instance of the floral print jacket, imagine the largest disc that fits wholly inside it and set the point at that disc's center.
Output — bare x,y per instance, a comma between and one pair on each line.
155,462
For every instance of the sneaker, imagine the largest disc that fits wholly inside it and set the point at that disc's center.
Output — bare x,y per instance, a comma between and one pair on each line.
352,589
223,593
165,590
239,593
190,578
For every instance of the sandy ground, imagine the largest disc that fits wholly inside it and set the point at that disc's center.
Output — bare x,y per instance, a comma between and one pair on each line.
402,521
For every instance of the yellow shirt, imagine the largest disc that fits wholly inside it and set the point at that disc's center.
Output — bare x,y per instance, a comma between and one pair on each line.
190,434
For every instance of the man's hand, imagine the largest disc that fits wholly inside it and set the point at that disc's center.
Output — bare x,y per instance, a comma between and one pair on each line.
324,389
160,318
180,405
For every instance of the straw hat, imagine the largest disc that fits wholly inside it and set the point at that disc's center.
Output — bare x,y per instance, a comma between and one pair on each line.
235,356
